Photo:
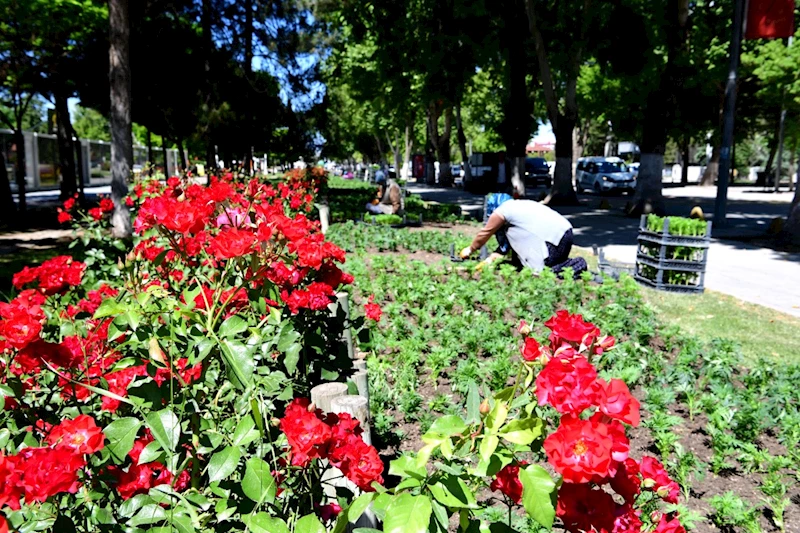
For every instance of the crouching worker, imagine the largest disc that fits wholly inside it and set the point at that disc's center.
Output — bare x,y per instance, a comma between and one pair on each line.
536,236
390,198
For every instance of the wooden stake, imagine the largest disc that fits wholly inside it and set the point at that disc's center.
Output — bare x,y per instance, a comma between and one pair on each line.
323,395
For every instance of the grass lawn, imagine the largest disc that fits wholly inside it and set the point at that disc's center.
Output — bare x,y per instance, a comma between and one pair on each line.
760,331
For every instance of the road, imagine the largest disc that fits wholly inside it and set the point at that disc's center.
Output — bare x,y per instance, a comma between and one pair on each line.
735,266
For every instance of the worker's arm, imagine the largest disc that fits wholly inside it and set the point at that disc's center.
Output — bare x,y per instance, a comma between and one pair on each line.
495,222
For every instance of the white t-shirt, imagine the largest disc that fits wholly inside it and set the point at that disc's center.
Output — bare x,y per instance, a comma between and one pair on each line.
530,226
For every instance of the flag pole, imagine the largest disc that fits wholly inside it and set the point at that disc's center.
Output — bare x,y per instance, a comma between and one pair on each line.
721,205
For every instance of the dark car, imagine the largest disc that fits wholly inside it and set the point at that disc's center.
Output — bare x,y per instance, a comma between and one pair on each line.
537,172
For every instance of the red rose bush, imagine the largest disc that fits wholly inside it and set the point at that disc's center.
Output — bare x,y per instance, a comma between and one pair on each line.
140,385
558,407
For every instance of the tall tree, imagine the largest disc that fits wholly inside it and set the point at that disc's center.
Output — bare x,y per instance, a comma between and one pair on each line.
121,131
570,45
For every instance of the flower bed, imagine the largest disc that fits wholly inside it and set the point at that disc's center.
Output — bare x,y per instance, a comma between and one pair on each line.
166,389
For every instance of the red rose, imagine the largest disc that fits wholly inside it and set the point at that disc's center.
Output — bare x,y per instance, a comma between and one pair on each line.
106,205
96,213
507,481
626,482
615,400
583,509
604,344
47,472
569,385
669,526
129,201
10,482
359,462
20,328
571,328
586,450
69,203
137,480
328,512
627,520
307,433
232,242
531,350
373,310
656,478
80,435
64,217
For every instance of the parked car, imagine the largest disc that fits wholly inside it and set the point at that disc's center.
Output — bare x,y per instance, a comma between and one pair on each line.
537,171
634,169
604,174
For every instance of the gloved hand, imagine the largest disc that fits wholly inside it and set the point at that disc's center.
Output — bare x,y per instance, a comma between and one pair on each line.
466,252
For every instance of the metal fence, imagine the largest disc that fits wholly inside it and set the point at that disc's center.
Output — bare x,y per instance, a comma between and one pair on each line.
42,169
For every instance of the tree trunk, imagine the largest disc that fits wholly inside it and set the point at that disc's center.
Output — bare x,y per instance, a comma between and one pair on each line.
121,132
76,141
208,47
19,140
66,150
150,162
711,172
685,162
563,193
409,144
248,71
443,150
7,207
164,153
792,161
462,144
184,165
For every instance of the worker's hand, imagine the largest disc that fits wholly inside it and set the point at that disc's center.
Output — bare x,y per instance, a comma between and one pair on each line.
466,252
375,201
480,266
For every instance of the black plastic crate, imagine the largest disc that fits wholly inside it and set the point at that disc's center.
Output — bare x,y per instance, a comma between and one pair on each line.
662,264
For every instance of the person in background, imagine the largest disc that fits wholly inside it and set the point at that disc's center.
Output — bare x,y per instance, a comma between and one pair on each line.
536,236
390,198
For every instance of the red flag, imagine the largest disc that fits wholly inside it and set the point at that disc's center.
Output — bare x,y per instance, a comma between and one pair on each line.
769,19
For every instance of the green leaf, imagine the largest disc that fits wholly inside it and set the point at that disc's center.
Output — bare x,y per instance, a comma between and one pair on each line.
497,416
109,307
522,431
258,483
149,514
309,524
245,431
239,361
165,427
447,426
360,505
223,463
150,453
453,492
473,403
263,523
488,446
182,523
405,466
408,514
291,356
538,489
120,434
232,326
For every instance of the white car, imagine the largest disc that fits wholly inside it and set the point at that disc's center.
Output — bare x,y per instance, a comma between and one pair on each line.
604,174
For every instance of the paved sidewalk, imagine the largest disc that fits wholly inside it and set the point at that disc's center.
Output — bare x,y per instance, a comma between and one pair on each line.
752,273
